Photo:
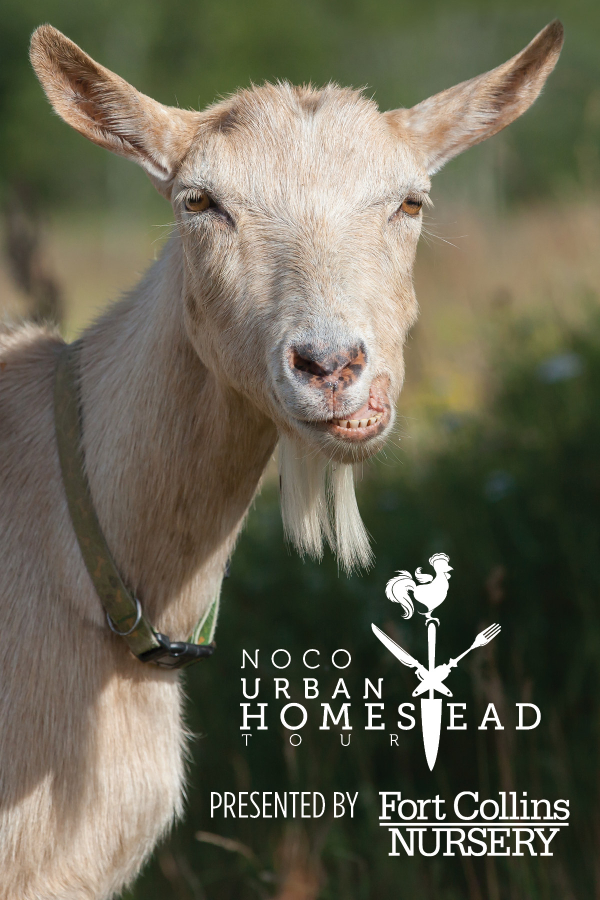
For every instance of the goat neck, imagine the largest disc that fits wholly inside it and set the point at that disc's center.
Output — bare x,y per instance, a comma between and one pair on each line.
173,456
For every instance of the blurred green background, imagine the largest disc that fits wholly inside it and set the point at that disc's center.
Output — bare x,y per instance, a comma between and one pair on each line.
495,459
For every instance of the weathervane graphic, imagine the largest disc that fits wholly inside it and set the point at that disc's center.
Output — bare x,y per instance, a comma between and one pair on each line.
429,593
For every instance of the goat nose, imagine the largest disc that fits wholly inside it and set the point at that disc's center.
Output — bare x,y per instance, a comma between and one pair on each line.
325,367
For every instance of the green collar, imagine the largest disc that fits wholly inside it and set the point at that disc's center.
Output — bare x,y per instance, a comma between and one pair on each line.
123,610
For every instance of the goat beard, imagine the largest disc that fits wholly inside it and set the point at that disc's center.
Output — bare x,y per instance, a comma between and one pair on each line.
318,504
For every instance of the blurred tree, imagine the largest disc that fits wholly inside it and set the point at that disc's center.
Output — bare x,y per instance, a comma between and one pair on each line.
192,52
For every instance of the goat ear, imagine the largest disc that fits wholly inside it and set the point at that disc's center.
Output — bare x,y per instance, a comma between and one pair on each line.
448,123
108,110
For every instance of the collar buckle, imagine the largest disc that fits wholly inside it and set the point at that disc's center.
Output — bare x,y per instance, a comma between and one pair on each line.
176,654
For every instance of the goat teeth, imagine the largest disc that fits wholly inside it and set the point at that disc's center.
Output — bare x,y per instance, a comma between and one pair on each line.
356,423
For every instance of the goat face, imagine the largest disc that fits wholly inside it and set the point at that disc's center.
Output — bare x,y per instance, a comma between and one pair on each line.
299,214
298,286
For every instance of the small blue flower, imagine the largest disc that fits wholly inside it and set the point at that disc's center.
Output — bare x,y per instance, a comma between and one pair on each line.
560,368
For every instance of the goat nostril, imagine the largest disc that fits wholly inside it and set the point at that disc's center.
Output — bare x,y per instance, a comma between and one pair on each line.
344,366
307,363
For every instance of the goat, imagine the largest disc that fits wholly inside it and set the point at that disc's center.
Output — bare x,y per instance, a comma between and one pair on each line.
277,311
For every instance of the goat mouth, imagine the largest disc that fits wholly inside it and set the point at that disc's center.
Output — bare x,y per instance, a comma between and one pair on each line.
369,421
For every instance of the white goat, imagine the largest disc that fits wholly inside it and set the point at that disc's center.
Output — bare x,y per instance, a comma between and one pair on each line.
278,310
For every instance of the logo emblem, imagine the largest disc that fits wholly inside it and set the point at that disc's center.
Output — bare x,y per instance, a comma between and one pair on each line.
429,593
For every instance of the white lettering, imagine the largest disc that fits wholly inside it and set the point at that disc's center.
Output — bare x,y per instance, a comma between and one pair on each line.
253,662
456,716
369,686
284,721
261,715
245,689
285,665
371,716
281,687
538,716
311,688
405,715
304,659
335,721
340,688
491,716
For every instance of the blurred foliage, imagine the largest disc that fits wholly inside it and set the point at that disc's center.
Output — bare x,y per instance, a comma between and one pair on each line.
188,52
512,495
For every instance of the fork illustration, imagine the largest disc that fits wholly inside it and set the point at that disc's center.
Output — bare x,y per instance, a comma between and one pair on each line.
483,638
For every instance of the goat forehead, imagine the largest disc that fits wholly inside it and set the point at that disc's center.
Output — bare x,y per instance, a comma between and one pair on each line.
285,107
279,139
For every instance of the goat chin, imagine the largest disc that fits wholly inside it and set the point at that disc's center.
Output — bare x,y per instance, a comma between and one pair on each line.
318,503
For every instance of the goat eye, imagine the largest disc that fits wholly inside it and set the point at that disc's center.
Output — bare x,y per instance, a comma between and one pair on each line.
198,202
411,207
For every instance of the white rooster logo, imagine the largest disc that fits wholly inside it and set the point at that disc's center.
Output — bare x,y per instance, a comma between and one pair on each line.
430,591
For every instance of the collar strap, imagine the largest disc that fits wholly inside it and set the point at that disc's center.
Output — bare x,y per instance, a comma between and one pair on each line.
123,610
